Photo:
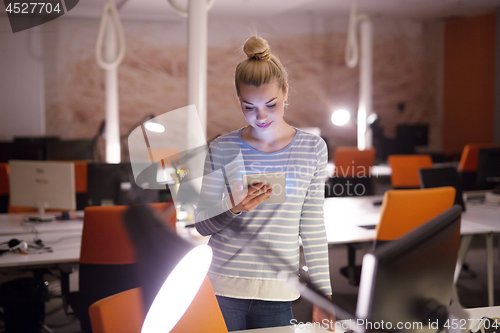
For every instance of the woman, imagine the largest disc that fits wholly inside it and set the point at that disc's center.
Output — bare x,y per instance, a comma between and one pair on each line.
253,241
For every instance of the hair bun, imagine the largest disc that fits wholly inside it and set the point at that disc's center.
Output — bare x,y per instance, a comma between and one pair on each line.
257,48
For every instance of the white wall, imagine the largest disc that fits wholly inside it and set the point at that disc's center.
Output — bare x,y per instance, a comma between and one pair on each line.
22,98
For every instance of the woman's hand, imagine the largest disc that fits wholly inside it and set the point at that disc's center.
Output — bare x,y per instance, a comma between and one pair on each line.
245,200
319,315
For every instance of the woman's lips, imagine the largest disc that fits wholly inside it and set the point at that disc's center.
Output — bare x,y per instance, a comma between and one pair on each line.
264,125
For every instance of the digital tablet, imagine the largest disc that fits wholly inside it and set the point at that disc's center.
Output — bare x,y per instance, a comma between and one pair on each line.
277,181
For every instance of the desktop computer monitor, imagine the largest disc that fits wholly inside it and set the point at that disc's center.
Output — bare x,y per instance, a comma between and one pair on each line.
114,184
488,168
445,176
409,280
42,185
70,150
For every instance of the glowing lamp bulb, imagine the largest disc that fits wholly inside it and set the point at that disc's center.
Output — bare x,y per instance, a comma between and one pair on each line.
178,291
154,127
340,117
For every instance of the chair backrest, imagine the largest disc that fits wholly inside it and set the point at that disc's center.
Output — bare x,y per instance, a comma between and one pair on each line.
119,313
80,176
468,160
405,169
4,187
107,257
404,210
204,312
124,313
352,162
4,179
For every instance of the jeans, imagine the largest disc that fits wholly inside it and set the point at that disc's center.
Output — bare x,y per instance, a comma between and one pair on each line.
240,314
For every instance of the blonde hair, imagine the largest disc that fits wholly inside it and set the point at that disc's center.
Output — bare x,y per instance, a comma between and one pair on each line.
260,67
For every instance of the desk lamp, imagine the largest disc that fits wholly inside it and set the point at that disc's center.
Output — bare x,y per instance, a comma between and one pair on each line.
161,254
178,291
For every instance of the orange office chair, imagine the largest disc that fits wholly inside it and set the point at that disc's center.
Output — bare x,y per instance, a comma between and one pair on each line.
404,210
352,170
119,313
405,168
401,212
81,184
4,187
124,313
107,258
468,164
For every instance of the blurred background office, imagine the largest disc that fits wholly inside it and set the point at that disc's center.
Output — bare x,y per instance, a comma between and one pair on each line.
433,64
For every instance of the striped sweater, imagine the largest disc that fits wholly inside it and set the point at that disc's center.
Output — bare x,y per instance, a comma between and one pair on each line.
250,248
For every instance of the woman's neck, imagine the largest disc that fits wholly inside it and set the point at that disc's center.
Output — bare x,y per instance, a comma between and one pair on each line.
269,142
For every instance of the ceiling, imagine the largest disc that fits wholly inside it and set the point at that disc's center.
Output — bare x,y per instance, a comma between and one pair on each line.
416,9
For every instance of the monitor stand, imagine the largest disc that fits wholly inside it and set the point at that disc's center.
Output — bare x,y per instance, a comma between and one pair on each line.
41,217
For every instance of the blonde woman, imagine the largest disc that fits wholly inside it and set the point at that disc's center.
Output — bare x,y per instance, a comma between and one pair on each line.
252,241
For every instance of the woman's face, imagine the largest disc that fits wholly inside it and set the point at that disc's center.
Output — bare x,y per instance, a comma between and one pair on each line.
263,107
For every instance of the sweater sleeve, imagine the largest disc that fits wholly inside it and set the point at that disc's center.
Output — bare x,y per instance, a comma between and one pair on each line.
312,225
213,213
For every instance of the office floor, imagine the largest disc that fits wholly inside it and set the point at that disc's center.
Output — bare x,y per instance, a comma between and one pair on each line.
472,287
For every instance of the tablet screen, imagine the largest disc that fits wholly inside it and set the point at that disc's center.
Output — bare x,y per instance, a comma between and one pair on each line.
277,181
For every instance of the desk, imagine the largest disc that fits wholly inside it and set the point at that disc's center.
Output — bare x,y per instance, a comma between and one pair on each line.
11,224
64,237
344,217
475,313
65,249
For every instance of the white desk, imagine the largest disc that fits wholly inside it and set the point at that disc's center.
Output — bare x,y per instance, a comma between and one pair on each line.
65,249
287,329
344,217
475,313
64,237
11,224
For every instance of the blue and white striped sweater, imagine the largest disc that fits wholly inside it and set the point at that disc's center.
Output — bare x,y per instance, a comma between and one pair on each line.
250,248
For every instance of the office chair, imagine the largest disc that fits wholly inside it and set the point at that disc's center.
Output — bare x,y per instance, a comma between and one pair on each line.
401,212
124,313
405,168
81,184
468,165
405,210
119,313
107,258
204,312
352,168
4,187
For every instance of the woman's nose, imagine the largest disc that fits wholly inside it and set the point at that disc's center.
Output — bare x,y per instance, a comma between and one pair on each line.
261,115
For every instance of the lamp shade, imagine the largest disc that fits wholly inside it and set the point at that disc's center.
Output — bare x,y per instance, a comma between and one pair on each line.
178,291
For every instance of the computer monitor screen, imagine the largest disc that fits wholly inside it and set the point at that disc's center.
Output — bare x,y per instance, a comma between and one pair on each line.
488,167
70,150
113,184
445,176
42,185
413,134
401,281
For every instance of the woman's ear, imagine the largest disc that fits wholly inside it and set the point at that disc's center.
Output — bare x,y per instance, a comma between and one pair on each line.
286,93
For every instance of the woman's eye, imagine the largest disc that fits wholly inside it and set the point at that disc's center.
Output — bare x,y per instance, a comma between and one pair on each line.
249,108
272,106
